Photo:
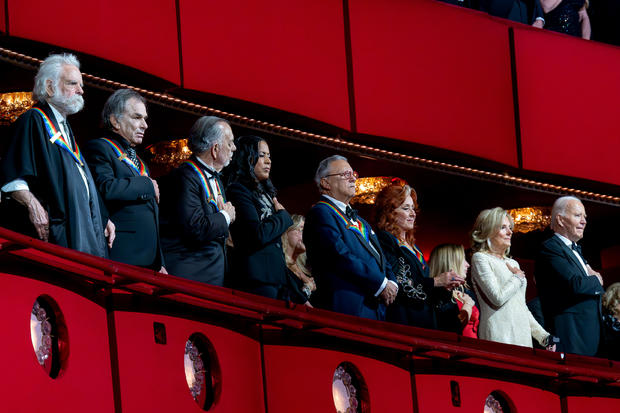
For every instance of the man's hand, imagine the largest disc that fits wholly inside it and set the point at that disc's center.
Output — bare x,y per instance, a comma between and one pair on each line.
388,295
156,188
594,273
110,233
538,24
36,213
162,270
230,210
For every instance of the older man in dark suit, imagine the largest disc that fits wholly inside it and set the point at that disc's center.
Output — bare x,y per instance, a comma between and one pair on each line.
44,172
194,213
353,276
570,290
129,193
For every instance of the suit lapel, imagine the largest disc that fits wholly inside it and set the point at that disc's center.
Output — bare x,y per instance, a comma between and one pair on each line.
372,238
569,254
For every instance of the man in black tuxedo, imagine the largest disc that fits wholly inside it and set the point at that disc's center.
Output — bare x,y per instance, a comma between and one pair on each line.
522,11
194,213
123,180
51,193
570,290
353,276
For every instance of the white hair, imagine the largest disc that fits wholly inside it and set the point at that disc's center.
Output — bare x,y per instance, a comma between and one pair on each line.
323,168
50,70
559,208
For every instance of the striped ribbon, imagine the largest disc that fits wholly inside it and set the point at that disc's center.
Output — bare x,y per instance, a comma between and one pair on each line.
122,156
357,226
415,251
57,138
205,184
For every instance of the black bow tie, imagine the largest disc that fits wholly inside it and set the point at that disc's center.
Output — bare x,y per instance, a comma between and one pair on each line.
576,247
351,213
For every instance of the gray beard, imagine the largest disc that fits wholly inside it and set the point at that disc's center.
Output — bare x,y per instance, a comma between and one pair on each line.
69,106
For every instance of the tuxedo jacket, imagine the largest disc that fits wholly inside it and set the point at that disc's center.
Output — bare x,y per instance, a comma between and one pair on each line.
347,270
130,200
570,299
194,232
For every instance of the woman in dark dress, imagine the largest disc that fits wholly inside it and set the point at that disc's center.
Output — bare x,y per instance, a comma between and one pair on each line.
257,259
567,16
395,214
611,322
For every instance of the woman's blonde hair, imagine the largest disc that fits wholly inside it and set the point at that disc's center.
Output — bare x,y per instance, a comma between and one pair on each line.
488,223
446,257
298,221
611,299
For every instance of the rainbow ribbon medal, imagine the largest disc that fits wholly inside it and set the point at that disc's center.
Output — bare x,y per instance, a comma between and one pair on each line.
124,158
204,182
357,226
57,138
415,251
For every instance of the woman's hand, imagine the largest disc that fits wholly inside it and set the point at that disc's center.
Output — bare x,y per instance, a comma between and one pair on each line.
449,280
277,205
516,271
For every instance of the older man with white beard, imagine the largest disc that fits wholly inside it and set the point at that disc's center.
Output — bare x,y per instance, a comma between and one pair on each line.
44,170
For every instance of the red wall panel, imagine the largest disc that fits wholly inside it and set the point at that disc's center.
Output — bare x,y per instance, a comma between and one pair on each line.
592,404
283,54
85,383
569,94
152,376
434,395
300,379
433,74
138,34
2,16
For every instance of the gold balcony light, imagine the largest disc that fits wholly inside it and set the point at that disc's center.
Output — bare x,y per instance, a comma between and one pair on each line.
13,104
366,189
530,218
169,154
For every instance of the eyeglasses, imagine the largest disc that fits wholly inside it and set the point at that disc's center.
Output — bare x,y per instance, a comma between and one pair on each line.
345,175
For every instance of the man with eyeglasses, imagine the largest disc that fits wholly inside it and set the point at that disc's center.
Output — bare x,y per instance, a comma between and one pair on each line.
352,275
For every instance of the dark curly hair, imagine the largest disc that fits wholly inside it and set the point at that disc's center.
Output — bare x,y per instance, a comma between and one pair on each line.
390,198
241,167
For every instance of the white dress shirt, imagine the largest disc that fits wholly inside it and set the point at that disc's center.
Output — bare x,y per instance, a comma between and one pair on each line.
569,244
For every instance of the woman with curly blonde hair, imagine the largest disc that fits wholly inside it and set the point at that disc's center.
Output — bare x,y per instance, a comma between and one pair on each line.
500,284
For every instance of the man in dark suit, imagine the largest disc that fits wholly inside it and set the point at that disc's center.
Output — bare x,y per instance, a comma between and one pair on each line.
52,195
570,290
352,274
123,180
522,11
194,213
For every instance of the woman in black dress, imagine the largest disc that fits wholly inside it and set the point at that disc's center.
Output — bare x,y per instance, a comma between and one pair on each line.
567,16
257,260
395,214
